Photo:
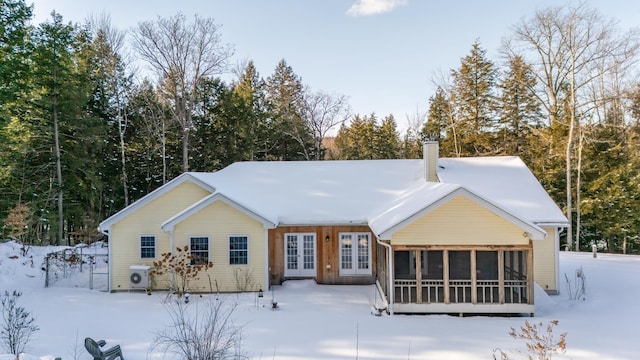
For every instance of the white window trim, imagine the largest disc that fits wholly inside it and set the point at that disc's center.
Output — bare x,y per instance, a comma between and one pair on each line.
208,244
229,249
155,246
354,256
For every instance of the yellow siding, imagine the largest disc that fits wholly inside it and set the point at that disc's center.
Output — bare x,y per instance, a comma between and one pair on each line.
460,222
218,221
125,234
544,261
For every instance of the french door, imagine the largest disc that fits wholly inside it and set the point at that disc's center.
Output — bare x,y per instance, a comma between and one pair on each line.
299,254
355,254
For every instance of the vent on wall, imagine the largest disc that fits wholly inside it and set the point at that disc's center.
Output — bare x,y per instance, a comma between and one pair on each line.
139,277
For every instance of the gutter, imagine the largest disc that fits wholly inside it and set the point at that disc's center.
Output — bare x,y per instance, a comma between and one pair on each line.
389,273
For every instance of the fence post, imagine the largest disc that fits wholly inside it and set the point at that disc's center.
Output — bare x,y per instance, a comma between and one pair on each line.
46,271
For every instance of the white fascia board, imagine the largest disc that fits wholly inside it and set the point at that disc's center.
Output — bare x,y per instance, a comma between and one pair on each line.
169,225
282,222
106,224
552,224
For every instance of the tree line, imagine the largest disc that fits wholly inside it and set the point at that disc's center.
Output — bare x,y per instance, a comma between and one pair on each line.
85,132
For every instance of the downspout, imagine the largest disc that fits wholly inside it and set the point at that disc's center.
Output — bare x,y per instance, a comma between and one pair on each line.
556,246
107,232
389,273
171,247
266,262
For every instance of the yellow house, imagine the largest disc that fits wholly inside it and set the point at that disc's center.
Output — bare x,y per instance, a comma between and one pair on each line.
437,235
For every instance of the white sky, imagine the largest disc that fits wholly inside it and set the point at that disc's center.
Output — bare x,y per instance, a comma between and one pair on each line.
380,53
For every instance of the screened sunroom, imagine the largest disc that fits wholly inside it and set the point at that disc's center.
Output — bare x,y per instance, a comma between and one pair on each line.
480,279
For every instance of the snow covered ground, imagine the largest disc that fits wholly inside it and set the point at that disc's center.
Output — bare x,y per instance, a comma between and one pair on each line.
329,322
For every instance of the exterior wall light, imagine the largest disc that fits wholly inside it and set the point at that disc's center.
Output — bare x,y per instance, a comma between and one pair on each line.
327,238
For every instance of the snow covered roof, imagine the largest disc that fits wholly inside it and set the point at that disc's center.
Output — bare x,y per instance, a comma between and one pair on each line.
506,181
316,192
380,193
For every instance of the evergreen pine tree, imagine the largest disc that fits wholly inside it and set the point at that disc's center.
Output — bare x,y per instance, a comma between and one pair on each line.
475,102
439,125
520,111
291,138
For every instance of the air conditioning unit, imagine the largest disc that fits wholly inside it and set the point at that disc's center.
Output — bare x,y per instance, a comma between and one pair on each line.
139,277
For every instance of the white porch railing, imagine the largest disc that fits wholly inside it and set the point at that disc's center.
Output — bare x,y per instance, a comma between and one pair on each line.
515,291
405,291
487,291
432,291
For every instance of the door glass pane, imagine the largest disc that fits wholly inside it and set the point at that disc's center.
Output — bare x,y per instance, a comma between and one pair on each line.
292,252
363,251
308,252
346,247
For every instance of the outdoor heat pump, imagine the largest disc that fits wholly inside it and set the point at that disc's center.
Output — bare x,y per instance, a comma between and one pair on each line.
139,277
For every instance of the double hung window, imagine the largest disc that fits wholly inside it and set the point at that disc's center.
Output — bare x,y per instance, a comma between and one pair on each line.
147,247
199,247
238,250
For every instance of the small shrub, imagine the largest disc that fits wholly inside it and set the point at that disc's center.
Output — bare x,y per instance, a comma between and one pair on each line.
182,265
245,281
577,289
540,341
17,222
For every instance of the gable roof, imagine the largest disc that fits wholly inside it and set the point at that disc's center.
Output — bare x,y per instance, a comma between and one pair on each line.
383,194
316,192
508,182
431,196
175,182
183,215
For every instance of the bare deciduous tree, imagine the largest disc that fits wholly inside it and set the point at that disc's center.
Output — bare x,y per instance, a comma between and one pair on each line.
570,48
323,112
109,43
17,323
182,53
200,331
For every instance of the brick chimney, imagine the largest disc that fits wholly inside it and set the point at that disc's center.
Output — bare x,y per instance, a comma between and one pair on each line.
430,157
